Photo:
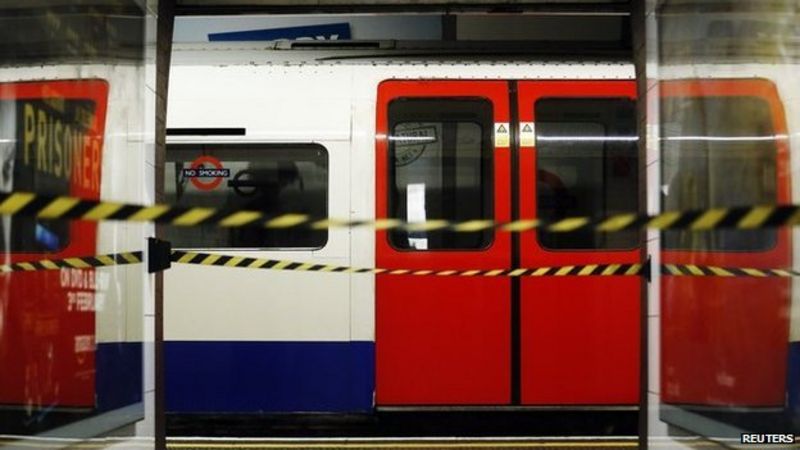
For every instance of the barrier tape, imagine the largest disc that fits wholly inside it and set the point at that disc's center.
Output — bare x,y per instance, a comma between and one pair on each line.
715,271
213,259
77,262
61,207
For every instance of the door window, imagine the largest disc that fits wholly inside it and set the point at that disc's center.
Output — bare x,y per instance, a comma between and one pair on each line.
718,152
440,163
587,165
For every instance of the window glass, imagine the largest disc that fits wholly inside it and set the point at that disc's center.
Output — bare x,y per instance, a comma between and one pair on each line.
440,163
586,159
717,152
46,147
273,179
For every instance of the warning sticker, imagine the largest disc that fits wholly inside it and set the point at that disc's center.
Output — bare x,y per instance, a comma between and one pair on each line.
527,134
502,137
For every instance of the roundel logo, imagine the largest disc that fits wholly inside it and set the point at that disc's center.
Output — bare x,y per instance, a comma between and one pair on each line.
206,173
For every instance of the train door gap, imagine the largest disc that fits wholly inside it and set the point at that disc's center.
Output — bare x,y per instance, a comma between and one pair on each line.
516,356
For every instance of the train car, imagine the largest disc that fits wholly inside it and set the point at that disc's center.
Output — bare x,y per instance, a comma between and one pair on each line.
412,139
71,339
729,344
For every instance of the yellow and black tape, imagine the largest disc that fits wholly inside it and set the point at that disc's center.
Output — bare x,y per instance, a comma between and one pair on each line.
213,259
60,207
210,259
715,271
78,262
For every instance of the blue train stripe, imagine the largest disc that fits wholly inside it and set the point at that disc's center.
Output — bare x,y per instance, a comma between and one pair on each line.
793,377
118,381
246,377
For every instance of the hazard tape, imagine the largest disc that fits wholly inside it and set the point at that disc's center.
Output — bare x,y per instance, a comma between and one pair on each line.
77,262
210,259
715,271
60,207
213,259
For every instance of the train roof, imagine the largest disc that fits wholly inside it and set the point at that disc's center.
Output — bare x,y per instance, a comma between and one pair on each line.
290,53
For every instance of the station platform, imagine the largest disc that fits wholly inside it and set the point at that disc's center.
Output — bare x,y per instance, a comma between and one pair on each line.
591,442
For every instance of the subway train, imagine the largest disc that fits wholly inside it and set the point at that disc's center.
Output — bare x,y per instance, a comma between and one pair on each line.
413,140
71,339
365,138
417,138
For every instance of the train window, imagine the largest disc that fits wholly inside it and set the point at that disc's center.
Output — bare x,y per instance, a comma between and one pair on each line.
587,165
718,152
440,153
45,147
271,178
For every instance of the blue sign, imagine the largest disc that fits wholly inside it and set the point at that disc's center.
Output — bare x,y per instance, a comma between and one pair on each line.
331,32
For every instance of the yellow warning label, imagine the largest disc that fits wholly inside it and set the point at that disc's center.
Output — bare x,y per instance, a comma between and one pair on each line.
527,134
502,137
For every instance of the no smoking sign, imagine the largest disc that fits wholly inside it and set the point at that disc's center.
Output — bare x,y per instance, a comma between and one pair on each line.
206,173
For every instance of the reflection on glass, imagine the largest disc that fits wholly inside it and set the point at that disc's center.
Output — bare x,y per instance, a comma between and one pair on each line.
71,117
440,167
723,339
718,152
273,179
48,341
54,136
728,356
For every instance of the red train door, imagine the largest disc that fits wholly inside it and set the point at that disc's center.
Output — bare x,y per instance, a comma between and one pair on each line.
579,336
724,340
443,153
501,341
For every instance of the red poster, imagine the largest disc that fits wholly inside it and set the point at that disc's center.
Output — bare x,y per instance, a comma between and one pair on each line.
51,142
